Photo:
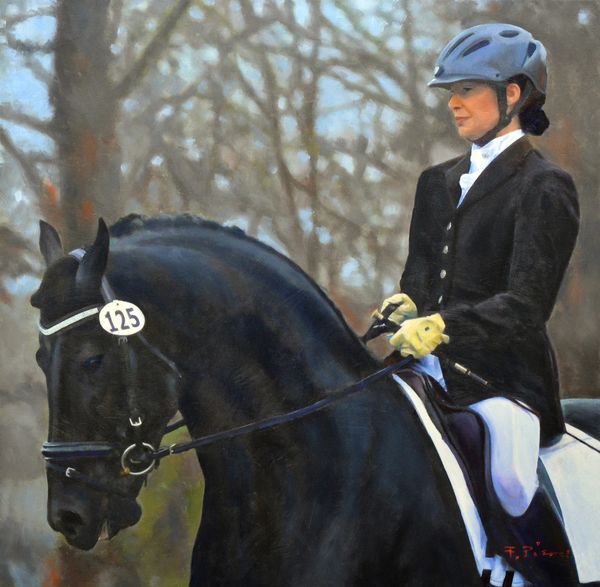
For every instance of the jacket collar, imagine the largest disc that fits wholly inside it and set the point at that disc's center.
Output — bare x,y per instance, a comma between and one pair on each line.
496,173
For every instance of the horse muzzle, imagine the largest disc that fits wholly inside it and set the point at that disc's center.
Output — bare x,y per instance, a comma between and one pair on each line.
83,518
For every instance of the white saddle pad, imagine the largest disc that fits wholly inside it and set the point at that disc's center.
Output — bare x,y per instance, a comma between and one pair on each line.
574,470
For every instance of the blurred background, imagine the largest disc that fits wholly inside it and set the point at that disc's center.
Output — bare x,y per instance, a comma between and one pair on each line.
304,122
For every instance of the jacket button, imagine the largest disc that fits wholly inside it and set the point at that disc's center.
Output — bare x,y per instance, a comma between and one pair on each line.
440,299
449,226
445,250
443,273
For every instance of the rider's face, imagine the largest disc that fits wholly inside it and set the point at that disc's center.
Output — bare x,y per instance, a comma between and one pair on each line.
474,107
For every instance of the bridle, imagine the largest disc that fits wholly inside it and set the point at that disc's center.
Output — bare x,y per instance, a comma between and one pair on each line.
57,453
139,458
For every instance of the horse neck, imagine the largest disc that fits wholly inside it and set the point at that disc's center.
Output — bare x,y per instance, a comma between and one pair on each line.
268,359
253,345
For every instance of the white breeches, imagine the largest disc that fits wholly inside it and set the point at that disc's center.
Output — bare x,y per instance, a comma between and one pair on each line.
515,444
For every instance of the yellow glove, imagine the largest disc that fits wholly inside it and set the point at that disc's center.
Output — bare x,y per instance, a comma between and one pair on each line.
406,309
420,336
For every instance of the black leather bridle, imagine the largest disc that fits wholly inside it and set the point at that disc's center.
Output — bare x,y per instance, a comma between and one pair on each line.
140,457
135,457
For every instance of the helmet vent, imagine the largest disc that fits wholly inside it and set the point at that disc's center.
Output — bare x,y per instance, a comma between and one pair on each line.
509,34
531,49
455,45
476,47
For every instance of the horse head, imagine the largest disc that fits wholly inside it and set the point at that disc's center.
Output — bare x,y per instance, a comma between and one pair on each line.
90,382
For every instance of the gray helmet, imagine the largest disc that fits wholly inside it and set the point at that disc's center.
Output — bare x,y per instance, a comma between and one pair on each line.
492,53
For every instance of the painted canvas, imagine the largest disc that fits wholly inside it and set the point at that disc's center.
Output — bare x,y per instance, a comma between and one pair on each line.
306,124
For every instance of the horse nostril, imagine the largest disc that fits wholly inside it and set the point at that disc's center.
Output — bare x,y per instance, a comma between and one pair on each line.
70,522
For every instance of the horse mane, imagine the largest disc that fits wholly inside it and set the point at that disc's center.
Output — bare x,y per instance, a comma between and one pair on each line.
139,223
133,223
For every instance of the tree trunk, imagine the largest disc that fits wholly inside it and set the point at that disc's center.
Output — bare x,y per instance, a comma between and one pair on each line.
85,115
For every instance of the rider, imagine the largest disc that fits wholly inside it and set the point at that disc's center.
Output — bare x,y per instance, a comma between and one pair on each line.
490,239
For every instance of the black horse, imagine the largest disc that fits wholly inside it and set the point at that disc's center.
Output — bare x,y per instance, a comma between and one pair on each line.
353,495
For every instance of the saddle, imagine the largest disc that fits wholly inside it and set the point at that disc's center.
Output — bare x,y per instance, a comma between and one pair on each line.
535,544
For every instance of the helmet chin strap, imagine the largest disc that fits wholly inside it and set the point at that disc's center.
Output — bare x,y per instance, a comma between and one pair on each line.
505,116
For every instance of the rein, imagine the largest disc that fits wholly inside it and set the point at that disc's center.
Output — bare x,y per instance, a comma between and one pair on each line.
280,419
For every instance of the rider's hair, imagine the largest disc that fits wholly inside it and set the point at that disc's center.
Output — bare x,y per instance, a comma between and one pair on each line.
532,117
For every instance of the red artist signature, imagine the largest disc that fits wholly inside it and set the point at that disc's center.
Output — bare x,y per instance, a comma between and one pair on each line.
525,551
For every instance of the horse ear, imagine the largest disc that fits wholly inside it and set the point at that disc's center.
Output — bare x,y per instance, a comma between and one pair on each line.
50,245
92,266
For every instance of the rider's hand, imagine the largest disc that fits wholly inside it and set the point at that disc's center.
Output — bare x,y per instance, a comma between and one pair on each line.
420,336
406,309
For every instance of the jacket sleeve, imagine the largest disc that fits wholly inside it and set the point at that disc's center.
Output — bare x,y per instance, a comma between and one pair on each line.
545,231
414,280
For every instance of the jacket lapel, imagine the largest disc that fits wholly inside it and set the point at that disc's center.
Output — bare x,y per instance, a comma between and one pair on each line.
497,172
453,176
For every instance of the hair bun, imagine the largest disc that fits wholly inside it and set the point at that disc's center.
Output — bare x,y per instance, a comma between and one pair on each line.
534,120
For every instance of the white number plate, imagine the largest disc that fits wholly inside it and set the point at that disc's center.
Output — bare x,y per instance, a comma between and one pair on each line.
121,318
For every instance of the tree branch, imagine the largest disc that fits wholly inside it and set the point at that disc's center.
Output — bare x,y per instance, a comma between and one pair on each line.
153,50
377,97
37,69
31,174
250,91
270,110
372,161
12,115
115,18
41,157
28,48
24,46
15,19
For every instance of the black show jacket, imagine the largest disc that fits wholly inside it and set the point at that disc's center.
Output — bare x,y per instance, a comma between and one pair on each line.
492,268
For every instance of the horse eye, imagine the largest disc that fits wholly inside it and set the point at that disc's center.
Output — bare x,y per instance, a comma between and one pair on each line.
92,364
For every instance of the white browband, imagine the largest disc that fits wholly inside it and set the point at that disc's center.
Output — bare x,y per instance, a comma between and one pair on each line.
84,314
69,321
